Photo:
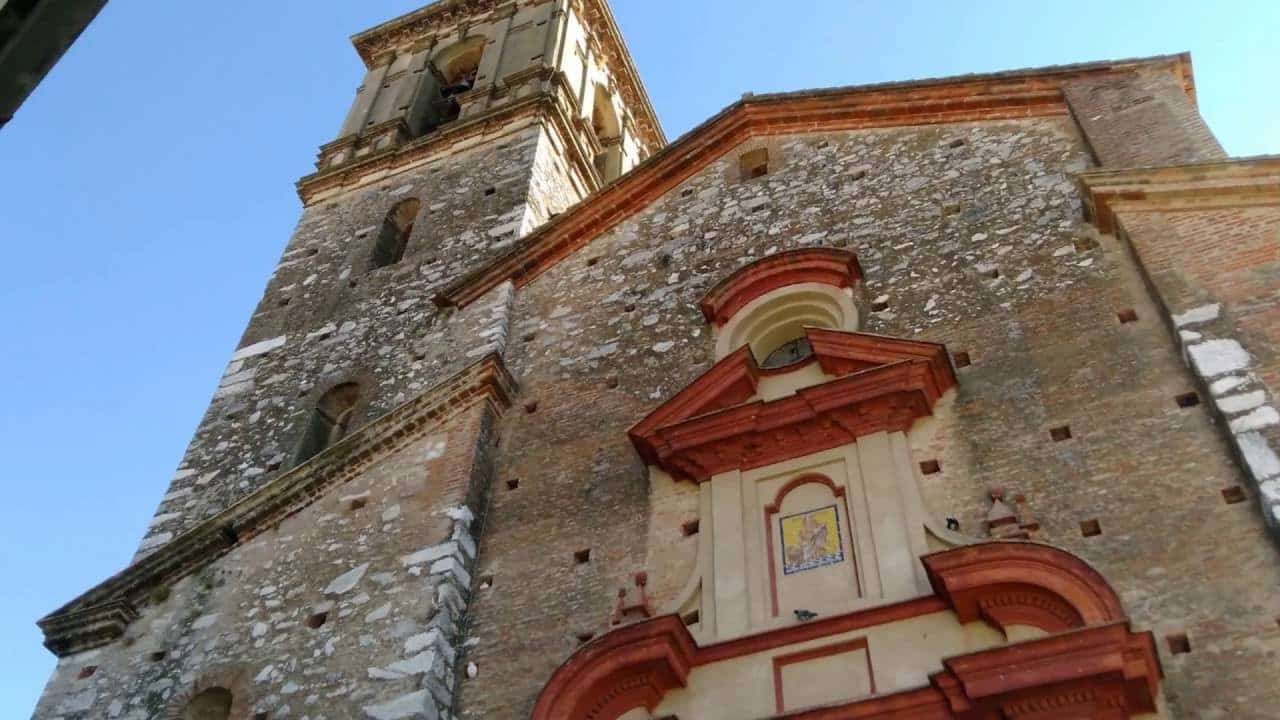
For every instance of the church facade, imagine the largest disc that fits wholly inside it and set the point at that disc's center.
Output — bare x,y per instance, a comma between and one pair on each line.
939,399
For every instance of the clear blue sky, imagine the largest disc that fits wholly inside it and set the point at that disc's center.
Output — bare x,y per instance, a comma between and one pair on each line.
146,190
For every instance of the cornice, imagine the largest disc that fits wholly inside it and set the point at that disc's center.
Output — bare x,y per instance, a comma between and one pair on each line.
710,427
997,96
437,144
829,266
1245,182
375,42
604,29
101,615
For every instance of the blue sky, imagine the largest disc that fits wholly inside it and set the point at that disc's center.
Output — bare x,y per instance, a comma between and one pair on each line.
146,190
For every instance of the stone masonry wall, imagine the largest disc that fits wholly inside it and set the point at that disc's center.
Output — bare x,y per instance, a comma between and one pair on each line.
352,608
973,235
324,320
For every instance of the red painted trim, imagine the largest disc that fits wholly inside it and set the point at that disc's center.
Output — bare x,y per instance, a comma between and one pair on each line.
828,266
883,384
1103,665
775,507
806,655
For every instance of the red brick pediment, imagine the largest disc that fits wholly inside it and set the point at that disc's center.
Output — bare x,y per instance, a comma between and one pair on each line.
714,425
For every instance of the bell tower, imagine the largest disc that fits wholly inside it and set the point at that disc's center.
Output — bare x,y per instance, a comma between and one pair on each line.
477,121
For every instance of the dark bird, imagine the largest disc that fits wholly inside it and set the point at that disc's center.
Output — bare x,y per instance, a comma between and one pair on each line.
805,615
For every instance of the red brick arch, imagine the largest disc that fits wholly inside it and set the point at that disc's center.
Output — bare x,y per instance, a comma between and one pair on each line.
828,266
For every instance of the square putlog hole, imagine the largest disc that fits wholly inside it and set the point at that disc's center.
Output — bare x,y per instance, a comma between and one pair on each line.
1234,495
1188,400
1179,643
754,164
513,484
582,557
692,618
317,621
87,672
690,528
1126,316
359,503
1061,433
1090,528
930,467
961,360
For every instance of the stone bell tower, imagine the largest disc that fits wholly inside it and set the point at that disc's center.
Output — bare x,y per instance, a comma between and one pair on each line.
477,121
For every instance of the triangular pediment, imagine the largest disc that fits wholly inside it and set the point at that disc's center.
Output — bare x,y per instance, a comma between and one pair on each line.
719,422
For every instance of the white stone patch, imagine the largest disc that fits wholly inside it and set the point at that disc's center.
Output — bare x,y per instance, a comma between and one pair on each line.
429,554
420,642
205,622
155,541
265,675
259,630
1189,337
419,664
1198,316
664,346
461,514
1227,384
1218,357
162,519
260,348
413,705
329,329
381,613
347,581
1258,455
1241,403
391,513
1263,417
1064,250
436,447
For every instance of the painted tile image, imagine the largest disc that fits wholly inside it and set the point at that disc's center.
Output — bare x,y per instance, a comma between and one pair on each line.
811,540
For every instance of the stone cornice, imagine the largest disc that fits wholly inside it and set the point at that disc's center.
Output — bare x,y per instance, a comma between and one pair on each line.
101,615
438,143
998,96
598,19
1244,182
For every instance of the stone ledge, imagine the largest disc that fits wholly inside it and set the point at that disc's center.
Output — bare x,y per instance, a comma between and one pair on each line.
101,615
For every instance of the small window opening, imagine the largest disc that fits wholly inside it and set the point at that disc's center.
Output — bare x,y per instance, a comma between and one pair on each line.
1127,316
930,467
879,306
1090,528
357,503
531,407
582,557
1234,495
457,70
513,484
317,621
490,191
330,421
1179,643
486,582
1188,400
611,382
212,704
1060,434
692,618
962,360
157,656
608,132
690,528
790,353
754,164
393,238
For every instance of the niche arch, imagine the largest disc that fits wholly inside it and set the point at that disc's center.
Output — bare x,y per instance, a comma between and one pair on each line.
768,304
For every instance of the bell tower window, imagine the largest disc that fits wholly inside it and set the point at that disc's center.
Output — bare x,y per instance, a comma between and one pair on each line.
393,237
457,68
608,132
330,421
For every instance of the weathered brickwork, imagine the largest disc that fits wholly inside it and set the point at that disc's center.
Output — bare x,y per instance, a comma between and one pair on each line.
351,608
1107,377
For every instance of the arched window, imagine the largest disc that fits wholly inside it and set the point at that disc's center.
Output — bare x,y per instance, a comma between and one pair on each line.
792,351
330,421
212,704
456,68
608,130
393,237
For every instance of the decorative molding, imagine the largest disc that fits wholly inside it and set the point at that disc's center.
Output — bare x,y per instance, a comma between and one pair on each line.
999,96
1248,182
829,266
707,428
847,646
100,615
1022,583
1104,668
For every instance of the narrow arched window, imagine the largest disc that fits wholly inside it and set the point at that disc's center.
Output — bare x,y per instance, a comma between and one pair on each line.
393,236
212,704
608,131
330,421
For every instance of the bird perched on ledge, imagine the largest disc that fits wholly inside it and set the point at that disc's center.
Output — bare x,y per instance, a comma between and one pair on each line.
805,615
